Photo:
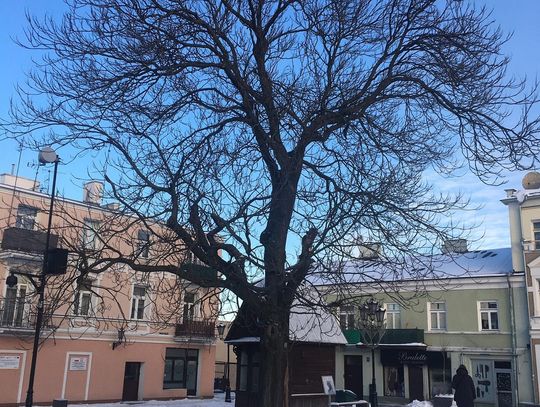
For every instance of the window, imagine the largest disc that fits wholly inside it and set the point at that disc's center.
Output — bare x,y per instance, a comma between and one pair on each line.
90,238
346,317
394,382
26,217
180,369
137,302
82,305
437,314
13,309
249,365
189,306
143,243
393,316
489,315
536,234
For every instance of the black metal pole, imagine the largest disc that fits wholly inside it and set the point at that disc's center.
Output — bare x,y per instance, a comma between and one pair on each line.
373,386
41,297
228,383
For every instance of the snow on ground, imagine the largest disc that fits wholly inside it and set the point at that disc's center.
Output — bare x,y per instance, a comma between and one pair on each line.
217,401
417,403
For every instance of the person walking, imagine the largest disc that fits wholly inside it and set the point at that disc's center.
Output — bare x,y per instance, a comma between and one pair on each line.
463,384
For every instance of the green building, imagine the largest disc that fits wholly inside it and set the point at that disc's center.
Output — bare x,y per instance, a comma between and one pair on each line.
475,314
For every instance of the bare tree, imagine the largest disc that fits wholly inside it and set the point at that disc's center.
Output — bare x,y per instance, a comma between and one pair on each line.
266,134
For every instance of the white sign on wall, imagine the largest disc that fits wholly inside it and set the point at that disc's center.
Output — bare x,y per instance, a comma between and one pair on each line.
9,362
78,363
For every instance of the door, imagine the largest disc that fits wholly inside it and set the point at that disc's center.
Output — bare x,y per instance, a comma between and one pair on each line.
192,365
503,379
416,383
353,375
131,381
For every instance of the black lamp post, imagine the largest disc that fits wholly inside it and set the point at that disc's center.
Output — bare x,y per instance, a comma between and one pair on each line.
373,327
221,331
46,156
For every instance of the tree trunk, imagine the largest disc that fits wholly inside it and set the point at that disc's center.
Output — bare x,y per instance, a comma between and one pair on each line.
274,363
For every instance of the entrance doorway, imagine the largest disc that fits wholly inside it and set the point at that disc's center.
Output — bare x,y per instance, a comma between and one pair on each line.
353,375
416,383
132,375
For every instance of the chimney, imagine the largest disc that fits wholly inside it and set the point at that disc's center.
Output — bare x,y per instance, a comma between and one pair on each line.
93,193
455,246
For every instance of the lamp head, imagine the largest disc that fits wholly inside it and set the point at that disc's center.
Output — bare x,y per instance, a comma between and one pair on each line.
47,156
221,329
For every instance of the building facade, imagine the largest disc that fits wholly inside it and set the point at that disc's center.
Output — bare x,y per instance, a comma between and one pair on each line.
108,335
472,316
524,216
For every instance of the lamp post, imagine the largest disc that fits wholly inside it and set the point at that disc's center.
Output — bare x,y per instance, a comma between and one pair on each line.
46,156
373,327
221,331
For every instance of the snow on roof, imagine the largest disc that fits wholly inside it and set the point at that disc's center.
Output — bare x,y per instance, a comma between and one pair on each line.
309,321
522,195
453,265
314,324
245,339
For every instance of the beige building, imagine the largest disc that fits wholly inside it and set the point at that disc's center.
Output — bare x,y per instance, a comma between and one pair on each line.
524,214
108,335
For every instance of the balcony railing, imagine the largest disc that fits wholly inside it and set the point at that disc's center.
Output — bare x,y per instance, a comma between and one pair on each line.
20,314
16,313
196,328
25,240
391,336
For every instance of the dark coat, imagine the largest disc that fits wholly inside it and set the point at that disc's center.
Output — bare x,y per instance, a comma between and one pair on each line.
464,386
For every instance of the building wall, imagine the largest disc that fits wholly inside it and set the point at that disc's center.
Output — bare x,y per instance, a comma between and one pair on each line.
463,339
88,339
103,376
524,209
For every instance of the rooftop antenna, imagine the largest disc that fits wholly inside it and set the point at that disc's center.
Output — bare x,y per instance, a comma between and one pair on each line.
15,183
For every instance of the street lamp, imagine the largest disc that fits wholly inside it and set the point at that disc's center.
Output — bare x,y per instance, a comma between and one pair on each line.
373,327
46,156
221,331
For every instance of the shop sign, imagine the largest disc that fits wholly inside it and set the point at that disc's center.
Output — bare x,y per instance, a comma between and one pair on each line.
412,357
78,363
9,362
392,357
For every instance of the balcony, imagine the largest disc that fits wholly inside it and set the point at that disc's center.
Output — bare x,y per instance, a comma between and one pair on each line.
18,316
391,336
25,240
196,328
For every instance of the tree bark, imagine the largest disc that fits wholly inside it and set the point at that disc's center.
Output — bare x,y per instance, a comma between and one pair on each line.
274,357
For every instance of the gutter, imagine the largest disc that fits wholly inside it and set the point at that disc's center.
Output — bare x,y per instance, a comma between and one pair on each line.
514,339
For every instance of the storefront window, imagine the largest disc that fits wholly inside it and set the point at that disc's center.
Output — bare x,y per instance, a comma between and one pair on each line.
484,385
394,383
440,380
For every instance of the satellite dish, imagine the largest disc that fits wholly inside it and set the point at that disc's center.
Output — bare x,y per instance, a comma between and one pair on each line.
47,155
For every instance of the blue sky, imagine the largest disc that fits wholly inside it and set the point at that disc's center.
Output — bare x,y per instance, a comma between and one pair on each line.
519,17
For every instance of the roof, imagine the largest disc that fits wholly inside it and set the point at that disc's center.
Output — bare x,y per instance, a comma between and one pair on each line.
477,263
313,324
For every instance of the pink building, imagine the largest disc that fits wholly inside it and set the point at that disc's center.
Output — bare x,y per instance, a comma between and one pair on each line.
110,335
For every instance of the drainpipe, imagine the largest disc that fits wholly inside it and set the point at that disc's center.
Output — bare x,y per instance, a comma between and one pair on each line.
514,339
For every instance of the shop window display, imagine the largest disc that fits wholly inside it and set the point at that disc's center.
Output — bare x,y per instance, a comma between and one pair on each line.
394,383
440,380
